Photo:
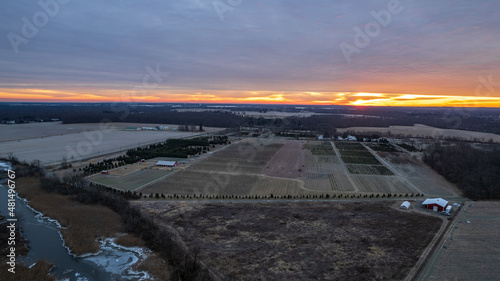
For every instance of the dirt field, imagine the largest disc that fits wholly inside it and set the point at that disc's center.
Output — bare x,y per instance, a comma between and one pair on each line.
299,241
471,250
50,142
426,131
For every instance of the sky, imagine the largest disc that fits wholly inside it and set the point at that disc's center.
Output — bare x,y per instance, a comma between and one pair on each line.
384,52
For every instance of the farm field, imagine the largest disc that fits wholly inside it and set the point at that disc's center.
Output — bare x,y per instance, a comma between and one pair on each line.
238,170
188,182
421,176
383,184
277,187
323,172
287,162
89,140
472,249
299,240
356,153
131,181
369,170
360,161
243,157
382,147
426,131
255,167
320,148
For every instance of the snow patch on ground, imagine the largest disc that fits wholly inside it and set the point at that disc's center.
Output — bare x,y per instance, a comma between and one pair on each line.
119,260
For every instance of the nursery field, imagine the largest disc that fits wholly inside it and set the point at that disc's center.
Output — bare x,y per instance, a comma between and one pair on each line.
420,176
189,182
323,172
383,184
369,170
277,187
131,181
244,157
320,148
281,168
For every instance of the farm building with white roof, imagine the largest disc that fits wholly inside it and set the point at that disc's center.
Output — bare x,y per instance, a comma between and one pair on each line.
405,205
167,163
435,204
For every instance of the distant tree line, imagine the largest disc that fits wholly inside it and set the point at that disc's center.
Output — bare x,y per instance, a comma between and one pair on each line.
481,120
474,169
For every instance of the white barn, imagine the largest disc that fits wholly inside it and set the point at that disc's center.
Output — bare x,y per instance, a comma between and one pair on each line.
405,205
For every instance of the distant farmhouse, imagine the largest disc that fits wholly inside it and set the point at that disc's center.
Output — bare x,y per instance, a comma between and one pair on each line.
132,129
435,204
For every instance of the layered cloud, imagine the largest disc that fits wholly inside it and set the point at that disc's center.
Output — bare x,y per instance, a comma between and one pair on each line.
433,53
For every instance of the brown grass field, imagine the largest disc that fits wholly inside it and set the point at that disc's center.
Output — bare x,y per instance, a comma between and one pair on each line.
83,223
39,272
301,240
470,250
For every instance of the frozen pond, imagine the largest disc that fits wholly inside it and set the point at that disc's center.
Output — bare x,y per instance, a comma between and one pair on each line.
111,263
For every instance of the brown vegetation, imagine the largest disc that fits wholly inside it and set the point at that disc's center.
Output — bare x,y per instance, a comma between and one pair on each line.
130,240
83,223
156,266
300,241
474,169
38,272
470,250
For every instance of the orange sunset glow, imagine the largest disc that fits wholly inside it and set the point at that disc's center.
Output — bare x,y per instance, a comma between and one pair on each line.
247,97
285,52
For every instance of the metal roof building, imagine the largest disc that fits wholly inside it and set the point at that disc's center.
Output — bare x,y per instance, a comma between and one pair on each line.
166,163
405,205
435,204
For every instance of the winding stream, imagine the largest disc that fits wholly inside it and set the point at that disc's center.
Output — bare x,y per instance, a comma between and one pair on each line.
113,262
